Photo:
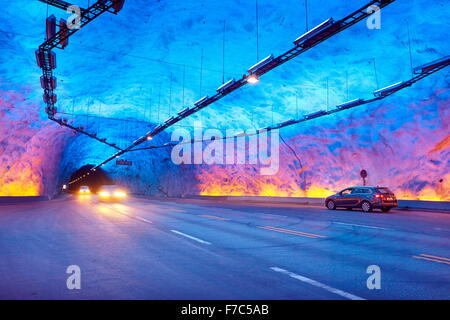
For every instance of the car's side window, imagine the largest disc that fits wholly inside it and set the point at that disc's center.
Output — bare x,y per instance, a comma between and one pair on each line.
346,191
354,191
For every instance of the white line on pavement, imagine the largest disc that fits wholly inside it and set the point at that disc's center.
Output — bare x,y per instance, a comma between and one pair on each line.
274,215
141,219
317,284
360,225
190,237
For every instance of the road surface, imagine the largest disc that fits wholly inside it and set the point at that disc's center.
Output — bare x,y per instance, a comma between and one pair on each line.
202,249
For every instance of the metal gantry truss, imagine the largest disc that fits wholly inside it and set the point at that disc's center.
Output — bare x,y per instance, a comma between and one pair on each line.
422,73
322,113
46,58
59,4
300,48
272,63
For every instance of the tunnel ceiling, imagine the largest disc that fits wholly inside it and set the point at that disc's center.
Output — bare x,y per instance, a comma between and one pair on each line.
154,57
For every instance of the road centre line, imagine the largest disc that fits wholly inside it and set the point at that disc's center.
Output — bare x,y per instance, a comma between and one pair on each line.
317,284
190,237
294,232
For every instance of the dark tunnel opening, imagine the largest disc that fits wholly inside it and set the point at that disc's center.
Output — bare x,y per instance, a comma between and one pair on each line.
94,180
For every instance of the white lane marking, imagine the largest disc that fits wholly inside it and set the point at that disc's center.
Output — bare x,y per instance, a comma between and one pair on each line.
128,215
317,284
440,229
360,225
190,237
141,219
274,215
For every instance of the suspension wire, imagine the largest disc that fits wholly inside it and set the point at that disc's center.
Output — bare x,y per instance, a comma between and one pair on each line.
184,81
306,15
170,94
376,74
346,83
201,73
257,31
298,159
223,52
45,32
159,99
410,52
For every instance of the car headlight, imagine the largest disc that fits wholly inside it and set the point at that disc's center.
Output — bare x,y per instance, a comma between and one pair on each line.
103,194
120,194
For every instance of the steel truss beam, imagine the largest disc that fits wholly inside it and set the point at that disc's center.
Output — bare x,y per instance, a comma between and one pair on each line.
45,51
338,27
293,122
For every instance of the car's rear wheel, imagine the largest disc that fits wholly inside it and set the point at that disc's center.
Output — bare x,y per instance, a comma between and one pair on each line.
331,205
366,206
385,209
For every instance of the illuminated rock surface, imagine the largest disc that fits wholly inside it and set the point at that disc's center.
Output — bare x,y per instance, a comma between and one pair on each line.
133,66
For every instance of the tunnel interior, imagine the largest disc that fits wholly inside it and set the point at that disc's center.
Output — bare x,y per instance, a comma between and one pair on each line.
94,180
119,98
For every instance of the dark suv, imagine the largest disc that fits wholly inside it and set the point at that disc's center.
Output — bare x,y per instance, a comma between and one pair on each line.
366,198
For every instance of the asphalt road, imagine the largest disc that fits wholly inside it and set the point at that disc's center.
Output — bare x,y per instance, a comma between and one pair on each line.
197,249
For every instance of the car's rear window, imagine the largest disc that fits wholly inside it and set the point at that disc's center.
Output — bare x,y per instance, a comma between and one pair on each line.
384,190
360,190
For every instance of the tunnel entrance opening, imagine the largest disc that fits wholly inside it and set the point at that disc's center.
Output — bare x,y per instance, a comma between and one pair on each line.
94,180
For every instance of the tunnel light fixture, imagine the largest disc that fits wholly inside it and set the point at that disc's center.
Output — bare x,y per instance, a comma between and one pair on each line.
390,89
350,104
226,85
261,64
149,138
169,120
315,31
287,123
431,65
315,114
182,112
252,79
201,101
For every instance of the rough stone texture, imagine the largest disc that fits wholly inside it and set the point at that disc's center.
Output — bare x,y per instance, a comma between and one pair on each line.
131,66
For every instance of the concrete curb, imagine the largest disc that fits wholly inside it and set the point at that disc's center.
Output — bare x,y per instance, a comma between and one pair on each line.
405,205
21,200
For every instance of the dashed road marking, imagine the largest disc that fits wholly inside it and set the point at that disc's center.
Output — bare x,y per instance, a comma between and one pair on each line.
294,232
131,216
141,219
317,284
360,225
190,237
214,217
429,257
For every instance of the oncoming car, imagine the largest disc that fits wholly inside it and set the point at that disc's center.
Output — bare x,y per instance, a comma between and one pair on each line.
366,198
111,193
84,190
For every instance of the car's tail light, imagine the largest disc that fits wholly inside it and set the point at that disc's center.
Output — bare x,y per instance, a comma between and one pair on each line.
379,196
